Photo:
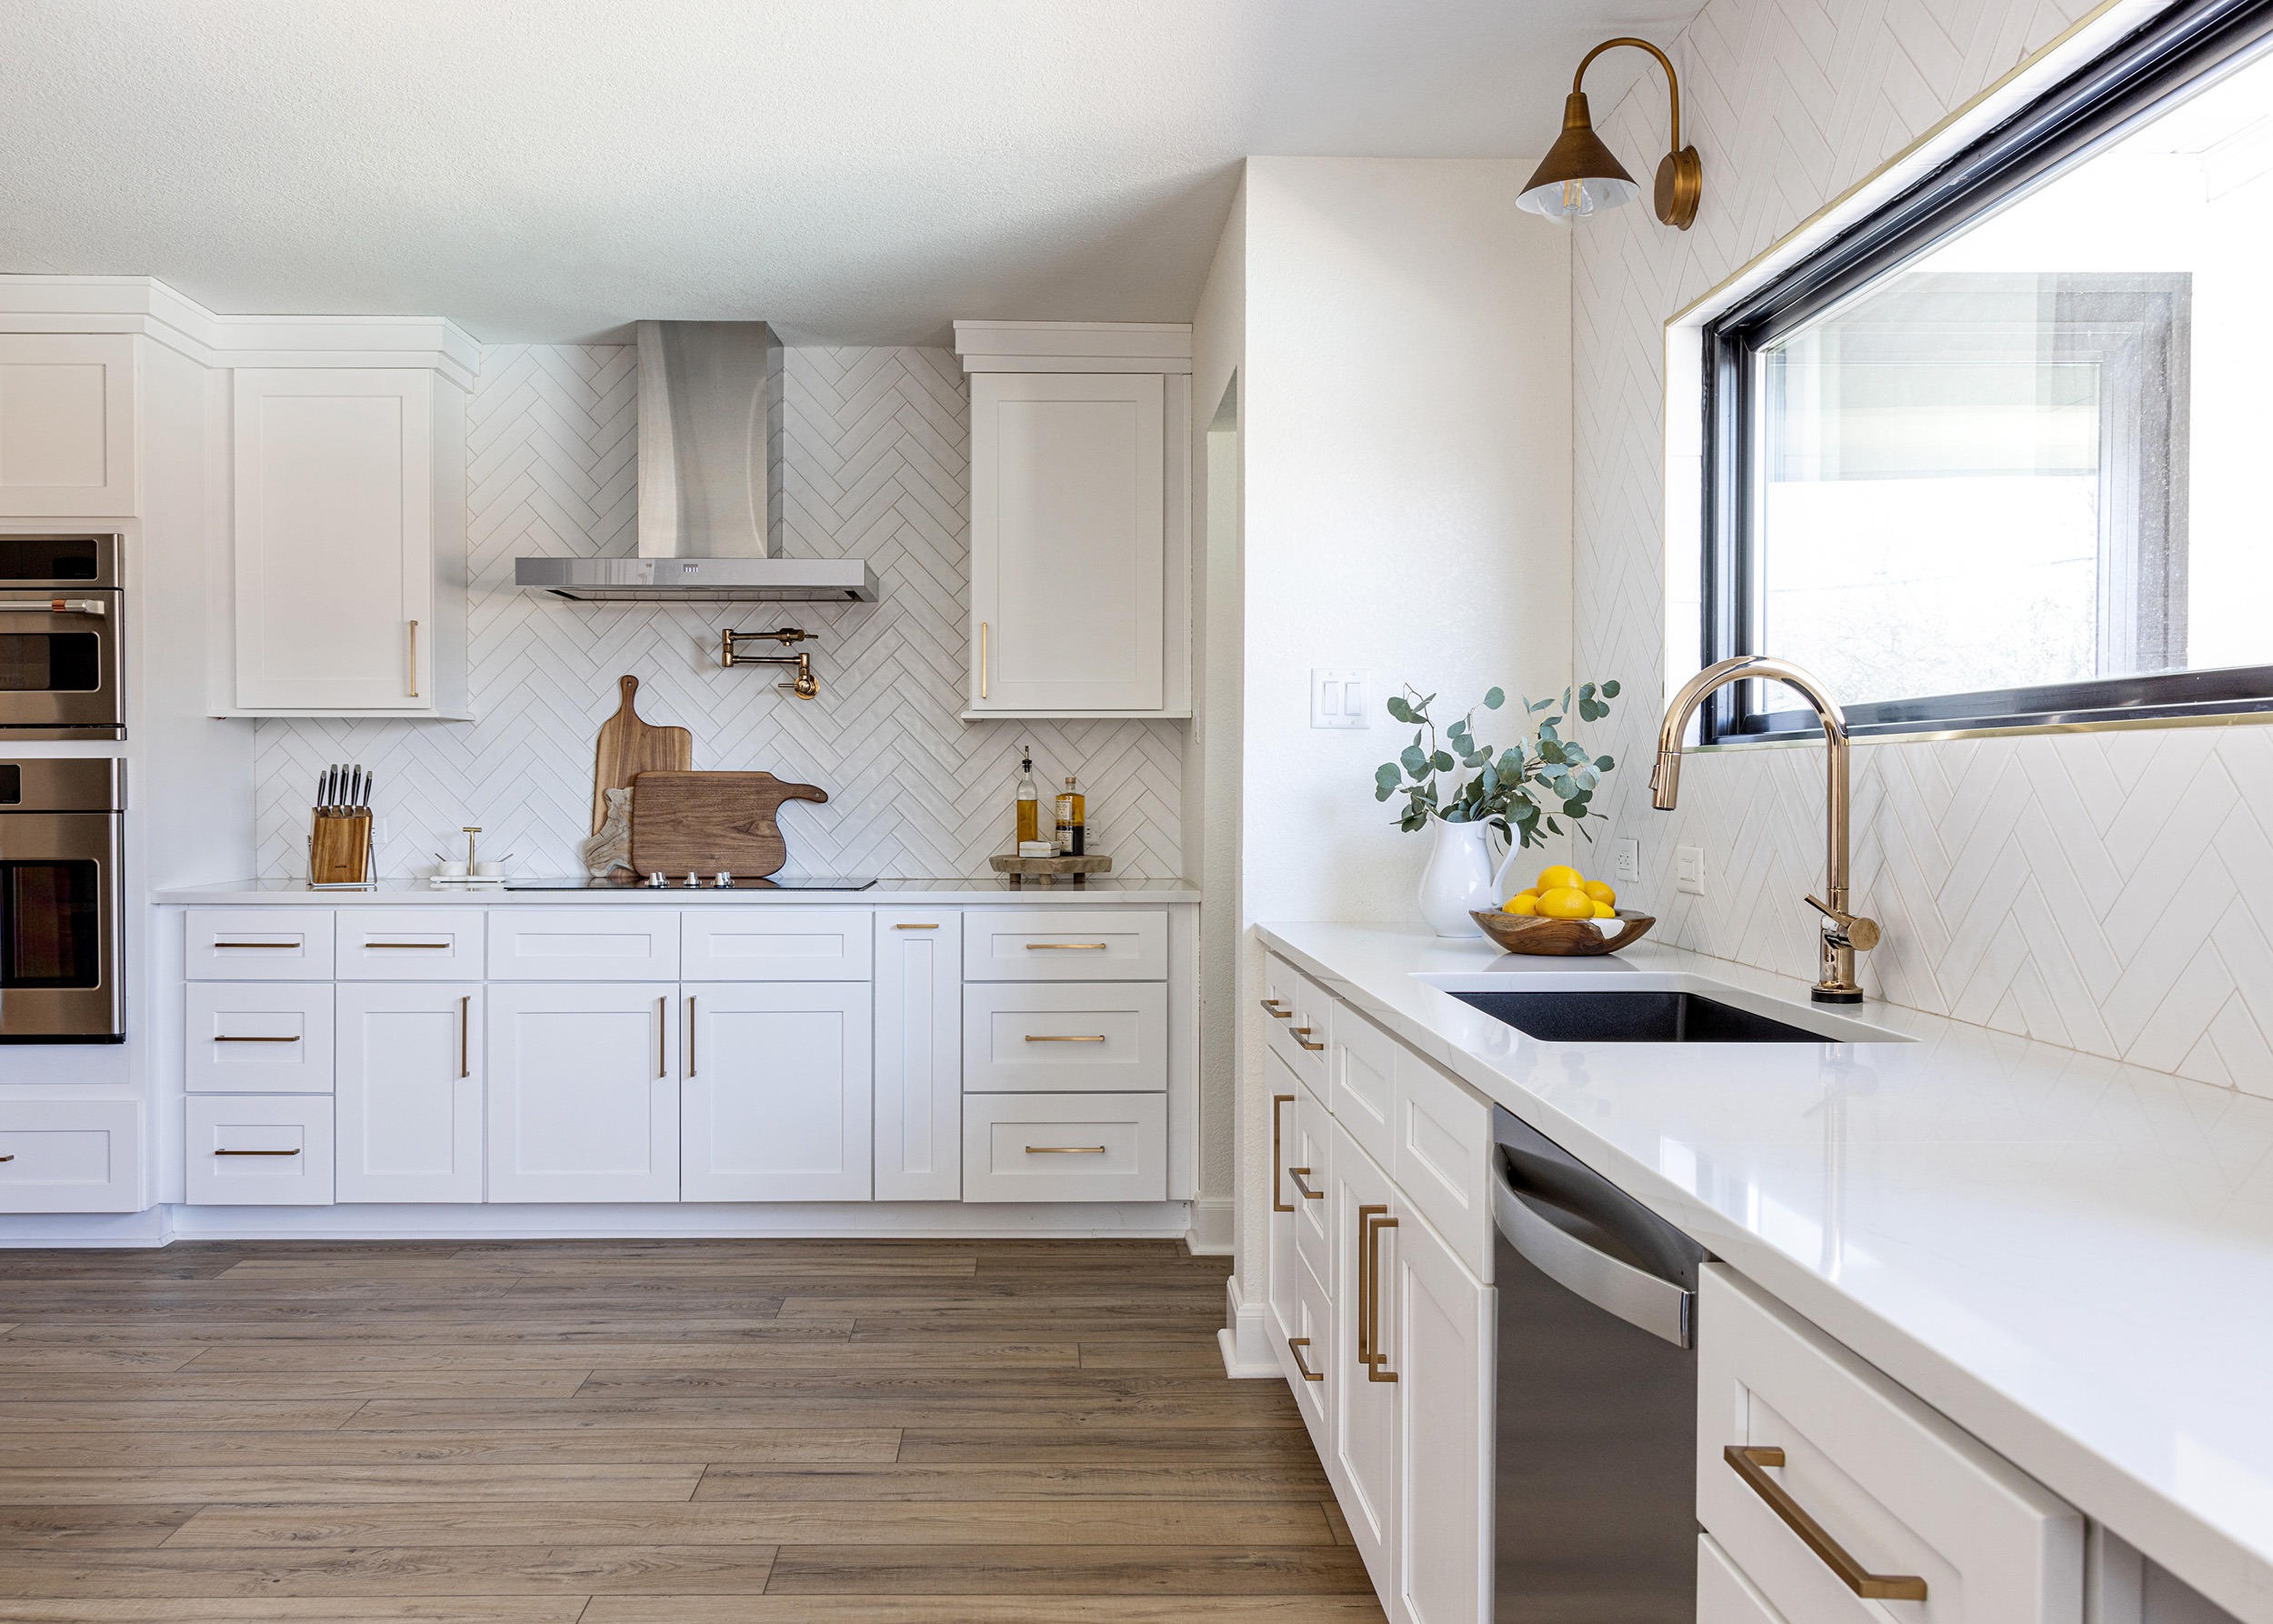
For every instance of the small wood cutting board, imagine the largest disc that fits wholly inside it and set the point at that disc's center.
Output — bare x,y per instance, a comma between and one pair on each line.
628,746
711,823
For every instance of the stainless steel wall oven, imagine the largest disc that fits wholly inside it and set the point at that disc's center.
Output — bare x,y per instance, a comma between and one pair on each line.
59,638
60,900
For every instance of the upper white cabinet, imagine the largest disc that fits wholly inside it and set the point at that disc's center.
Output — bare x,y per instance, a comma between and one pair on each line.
66,425
1080,519
350,542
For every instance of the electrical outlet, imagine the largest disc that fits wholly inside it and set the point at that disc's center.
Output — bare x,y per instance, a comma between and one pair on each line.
1688,869
1337,699
1626,859
379,831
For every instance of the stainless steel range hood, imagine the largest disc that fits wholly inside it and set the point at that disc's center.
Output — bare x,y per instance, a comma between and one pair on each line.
709,485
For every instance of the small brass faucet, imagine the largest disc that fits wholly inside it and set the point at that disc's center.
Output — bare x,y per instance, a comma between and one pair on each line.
1844,934
805,685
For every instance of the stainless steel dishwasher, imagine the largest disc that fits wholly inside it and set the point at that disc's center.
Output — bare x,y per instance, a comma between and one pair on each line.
1594,1471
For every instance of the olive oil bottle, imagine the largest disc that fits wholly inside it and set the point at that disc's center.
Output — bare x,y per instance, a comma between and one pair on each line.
1072,821
1030,800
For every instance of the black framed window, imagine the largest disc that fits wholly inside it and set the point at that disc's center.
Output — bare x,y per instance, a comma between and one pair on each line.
1999,455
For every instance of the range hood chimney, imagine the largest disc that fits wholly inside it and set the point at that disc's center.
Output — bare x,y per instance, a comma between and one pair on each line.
709,486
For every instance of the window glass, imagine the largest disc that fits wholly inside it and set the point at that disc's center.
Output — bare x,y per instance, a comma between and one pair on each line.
2035,454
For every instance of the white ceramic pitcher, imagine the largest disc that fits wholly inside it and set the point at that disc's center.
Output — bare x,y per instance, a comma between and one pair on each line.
1460,878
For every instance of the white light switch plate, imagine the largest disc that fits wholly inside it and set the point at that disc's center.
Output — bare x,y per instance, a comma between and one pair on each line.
1626,860
1338,698
1688,869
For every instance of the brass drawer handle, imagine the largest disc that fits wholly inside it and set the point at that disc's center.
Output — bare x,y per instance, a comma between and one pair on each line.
1271,1008
8,1157
914,927
1295,1345
1064,947
266,946
414,659
982,659
662,1036
436,947
1278,1162
1065,1151
1365,1216
1746,1459
228,1038
257,1153
1048,1038
1302,1036
1301,1177
1376,1361
464,1034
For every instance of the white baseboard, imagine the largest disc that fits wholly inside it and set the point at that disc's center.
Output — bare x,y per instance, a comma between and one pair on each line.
1211,1227
1245,1340
881,1220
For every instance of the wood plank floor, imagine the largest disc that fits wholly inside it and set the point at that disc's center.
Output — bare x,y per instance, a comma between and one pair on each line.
649,1432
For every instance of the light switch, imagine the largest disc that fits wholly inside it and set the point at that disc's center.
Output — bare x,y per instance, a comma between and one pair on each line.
1688,869
1338,698
1626,859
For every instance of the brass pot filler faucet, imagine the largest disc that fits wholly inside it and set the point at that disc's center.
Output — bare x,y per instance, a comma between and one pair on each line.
805,685
1844,934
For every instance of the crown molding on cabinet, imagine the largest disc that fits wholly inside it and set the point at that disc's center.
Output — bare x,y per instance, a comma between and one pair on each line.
145,306
1074,346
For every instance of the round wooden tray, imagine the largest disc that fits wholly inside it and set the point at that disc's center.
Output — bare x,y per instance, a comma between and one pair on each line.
1560,939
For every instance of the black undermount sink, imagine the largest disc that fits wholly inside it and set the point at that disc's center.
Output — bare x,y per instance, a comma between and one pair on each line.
1633,1017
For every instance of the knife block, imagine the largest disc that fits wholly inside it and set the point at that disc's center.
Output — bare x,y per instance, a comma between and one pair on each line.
339,851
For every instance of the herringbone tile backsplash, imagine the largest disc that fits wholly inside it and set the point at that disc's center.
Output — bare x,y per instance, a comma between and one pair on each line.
2112,892
876,466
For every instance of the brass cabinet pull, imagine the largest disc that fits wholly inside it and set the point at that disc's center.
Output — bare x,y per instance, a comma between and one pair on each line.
434,946
914,927
1277,1161
10,1156
982,659
1302,1036
414,659
662,1037
1295,1345
1065,1151
1365,1216
1746,1459
1064,947
227,1037
690,1033
270,946
1300,1175
1376,1361
464,1034
1049,1037
257,1153
1271,1008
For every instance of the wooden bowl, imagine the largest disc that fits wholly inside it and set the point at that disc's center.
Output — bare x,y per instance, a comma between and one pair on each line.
1560,939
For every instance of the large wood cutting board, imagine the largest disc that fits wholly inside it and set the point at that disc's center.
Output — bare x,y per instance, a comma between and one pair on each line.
710,823
628,746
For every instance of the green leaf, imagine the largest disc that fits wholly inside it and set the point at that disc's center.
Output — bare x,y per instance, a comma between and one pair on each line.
1542,705
1443,762
1604,764
1415,760
1577,808
1494,699
1382,792
1490,778
1399,710
1587,692
1610,690
1386,775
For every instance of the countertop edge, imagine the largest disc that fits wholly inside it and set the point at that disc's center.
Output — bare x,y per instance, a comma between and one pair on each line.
918,894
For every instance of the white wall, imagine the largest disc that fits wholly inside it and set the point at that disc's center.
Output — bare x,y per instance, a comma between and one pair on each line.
1405,415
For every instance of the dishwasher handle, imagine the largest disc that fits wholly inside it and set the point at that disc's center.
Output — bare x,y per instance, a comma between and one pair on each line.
1659,1307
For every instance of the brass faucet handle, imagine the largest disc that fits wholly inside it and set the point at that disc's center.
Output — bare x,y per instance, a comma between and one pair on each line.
1854,930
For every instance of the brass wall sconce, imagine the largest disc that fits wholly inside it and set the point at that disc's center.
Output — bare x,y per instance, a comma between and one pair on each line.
1580,175
805,685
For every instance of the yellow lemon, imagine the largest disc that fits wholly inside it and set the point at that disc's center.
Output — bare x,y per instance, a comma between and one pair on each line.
1600,891
1566,902
1522,902
1561,873
1603,910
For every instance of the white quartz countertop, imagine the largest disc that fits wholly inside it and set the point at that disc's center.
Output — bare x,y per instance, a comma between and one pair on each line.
884,893
2071,1257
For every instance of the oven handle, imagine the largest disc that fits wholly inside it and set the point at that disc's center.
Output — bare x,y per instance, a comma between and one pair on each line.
1659,1307
57,605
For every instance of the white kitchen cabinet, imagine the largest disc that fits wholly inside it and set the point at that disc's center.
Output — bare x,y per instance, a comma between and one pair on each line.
409,944
350,542
1065,1148
1440,1347
258,1150
1283,1093
67,446
1365,1301
409,1091
584,1093
257,1037
777,1098
70,1154
918,1055
1102,1037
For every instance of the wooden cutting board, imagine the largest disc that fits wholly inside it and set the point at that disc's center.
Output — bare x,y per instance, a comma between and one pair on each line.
628,746
709,823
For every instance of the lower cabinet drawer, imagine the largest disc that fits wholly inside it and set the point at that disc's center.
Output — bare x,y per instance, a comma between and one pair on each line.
1065,1148
70,1156
1309,1349
409,944
1791,1425
259,1150
257,1037
1093,1036
1724,1596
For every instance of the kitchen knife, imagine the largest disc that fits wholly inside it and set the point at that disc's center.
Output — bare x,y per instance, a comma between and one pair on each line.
366,794
324,798
354,789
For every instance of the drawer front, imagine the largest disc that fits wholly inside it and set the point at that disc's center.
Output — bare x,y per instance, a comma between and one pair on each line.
1310,1176
1362,1088
257,944
584,944
776,944
1440,1157
1298,1018
260,1150
409,943
257,1037
1724,1596
1896,1484
1065,1148
1060,945
71,1155
1309,1364
1098,1037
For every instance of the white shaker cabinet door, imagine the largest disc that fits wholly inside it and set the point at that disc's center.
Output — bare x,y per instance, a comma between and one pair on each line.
919,1056
409,1118
67,426
777,1098
1067,515
584,1093
1364,1358
1441,1352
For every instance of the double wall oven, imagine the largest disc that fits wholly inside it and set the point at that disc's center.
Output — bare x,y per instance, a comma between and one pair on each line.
60,904
59,638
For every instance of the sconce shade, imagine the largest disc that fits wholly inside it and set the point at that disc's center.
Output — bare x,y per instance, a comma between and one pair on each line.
1579,176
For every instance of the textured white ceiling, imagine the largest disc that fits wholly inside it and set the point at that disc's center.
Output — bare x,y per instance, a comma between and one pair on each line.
857,171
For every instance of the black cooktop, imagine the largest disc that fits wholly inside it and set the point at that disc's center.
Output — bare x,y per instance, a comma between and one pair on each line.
811,882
